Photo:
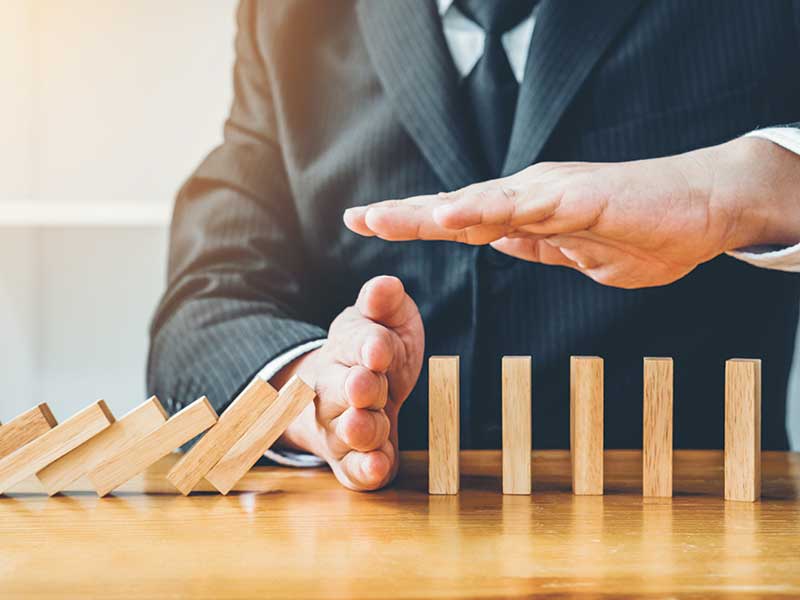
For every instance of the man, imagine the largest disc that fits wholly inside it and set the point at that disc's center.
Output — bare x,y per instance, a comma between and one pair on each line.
608,137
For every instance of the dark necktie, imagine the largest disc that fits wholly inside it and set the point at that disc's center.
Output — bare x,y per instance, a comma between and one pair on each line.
491,86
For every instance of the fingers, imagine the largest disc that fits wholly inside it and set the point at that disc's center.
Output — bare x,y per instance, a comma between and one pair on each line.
616,264
477,214
356,340
383,299
533,250
509,203
413,219
362,430
369,470
341,387
605,262
365,389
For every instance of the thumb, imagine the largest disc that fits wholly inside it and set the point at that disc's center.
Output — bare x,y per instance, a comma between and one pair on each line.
383,299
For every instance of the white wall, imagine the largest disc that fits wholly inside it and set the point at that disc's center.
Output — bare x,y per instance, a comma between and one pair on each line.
16,100
107,105
143,86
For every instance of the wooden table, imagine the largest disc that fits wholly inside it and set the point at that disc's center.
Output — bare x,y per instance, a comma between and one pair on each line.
302,535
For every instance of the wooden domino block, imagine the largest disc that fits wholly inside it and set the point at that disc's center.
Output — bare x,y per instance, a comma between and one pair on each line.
142,420
516,424
291,400
179,429
586,424
443,425
232,425
54,444
25,428
743,430
657,428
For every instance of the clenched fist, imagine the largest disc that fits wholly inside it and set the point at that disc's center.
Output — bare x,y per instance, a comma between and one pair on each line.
362,374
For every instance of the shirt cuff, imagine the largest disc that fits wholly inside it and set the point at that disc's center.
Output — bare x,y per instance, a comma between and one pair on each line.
289,458
782,258
786,137
276,364
771,257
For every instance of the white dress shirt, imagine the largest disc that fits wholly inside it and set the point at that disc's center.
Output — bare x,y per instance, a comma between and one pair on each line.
465,40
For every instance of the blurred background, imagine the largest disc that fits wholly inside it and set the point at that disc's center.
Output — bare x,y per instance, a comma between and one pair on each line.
106,107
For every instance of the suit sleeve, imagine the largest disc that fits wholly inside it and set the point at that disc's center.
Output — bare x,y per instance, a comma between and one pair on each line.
236,293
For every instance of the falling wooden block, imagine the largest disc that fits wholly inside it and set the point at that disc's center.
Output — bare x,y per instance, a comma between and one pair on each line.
53,444
291,400
118,437
25,428
179,429
443,425
586,424
743,429
516,424
232,425
657,428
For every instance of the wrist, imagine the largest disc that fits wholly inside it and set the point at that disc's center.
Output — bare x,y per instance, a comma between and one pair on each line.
756,189
298,436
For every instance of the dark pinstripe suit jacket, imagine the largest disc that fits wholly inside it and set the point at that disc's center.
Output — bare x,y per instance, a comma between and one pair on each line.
344,103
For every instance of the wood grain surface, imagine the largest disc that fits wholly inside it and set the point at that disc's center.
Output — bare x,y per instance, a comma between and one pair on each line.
53,444
657,428
586,424
517,425
444,424
293,397
25,428
116,438
181,428
743,429
232,425
297,533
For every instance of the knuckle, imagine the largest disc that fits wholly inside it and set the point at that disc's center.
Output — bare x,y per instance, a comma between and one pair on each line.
376,331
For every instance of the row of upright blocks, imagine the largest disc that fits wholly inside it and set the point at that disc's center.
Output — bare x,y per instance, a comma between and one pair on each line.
742,455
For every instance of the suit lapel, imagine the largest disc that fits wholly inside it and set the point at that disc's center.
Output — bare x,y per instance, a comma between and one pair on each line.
568,40
405,42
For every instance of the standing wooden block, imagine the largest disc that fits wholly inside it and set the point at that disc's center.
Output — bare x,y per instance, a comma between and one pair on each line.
516,424
291,400
743,429
586,424
443,425
25,428
657,428
122,434
181,428
232,425
54,444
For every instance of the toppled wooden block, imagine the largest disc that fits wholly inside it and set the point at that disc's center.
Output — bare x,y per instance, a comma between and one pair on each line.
291,400
232,425
25,428
117,438
54,444
181,428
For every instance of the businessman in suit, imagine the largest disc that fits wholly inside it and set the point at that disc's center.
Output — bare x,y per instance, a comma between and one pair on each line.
551,178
